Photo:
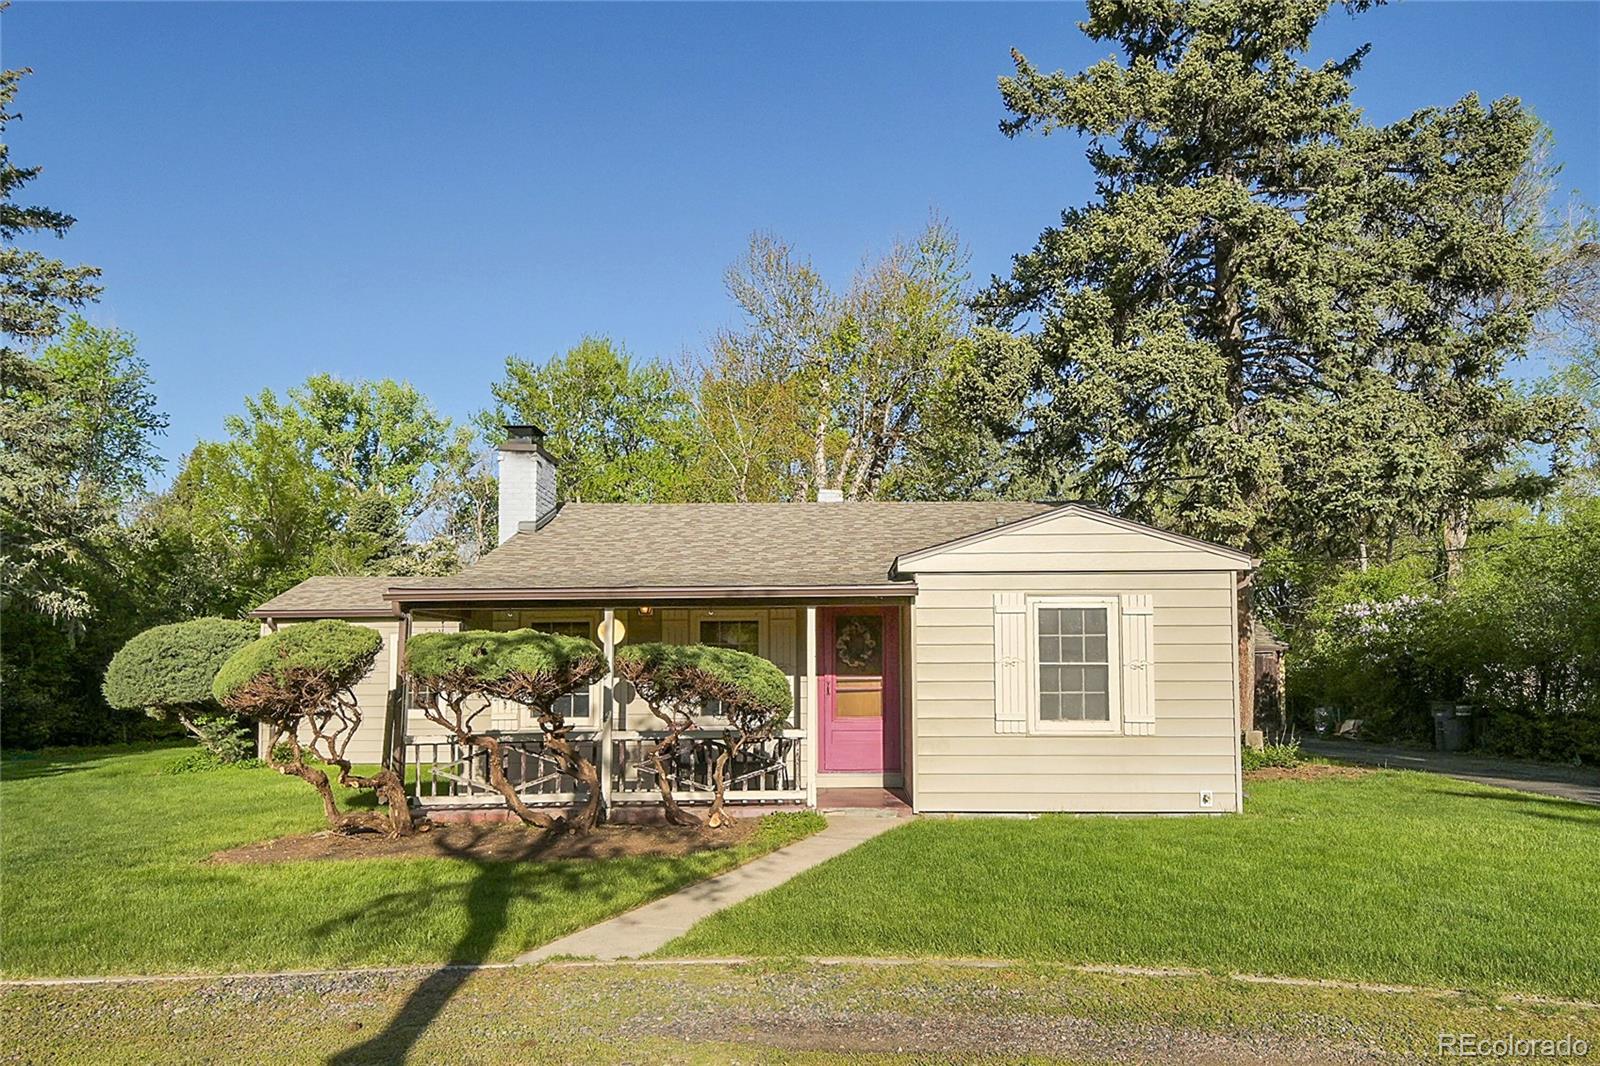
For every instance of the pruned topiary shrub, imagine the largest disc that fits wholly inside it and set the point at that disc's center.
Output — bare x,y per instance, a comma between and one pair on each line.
525,666
677,680
300,679
167,672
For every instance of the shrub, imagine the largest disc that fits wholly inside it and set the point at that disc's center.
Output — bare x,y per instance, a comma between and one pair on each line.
1518,638
677,680
199,761
1284,755
299,679
168,672
327,654
526,666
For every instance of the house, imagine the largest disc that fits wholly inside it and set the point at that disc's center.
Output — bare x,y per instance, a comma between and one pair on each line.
975,656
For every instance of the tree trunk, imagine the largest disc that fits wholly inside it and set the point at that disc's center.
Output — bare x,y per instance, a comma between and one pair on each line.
1247,657
1457,524
501,784
719,818
391,792
581,770
296,767
675,814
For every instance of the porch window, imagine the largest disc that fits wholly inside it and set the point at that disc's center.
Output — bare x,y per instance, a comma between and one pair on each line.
575,705
736,634
1076,667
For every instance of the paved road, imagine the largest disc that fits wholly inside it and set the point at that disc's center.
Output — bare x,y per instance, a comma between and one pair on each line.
1578,783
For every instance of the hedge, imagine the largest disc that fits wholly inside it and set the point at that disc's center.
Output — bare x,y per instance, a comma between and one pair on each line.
174,666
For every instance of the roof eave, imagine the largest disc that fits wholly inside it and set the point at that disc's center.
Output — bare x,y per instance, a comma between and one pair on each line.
265,612
650,593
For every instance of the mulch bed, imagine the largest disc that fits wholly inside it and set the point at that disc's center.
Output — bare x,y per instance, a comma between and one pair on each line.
1310,771
495,842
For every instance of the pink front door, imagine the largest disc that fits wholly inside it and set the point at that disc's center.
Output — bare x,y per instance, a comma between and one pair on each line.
859,689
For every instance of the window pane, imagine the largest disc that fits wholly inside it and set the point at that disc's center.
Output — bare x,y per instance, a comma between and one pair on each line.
1072,679
1072,707
1049,679
1094,649
1072,649
1094,620
1050,707
1095,678
1049,621
1073,620
1096,707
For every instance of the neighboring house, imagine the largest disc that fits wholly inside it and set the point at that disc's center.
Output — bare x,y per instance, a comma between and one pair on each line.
977,657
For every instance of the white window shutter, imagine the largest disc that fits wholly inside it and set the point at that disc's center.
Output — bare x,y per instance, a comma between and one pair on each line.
1138,664
1011,660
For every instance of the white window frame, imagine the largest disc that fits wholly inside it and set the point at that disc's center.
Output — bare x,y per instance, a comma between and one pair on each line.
1113,722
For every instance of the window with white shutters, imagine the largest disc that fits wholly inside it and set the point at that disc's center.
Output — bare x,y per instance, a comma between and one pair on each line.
1074,672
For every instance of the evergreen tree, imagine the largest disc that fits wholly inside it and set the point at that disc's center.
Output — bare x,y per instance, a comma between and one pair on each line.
1186,347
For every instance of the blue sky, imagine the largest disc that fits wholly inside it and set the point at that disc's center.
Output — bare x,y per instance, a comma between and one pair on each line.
418,191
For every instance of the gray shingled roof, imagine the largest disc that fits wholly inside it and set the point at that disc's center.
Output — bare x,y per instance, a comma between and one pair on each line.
332,597
723,545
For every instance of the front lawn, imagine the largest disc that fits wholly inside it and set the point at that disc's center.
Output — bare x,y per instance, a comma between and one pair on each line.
1389,876
103,870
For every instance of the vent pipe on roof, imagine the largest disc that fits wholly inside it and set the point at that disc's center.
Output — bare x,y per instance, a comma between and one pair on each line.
830,495
527,479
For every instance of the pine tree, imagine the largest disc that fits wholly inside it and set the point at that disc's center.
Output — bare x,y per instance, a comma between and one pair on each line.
1258,255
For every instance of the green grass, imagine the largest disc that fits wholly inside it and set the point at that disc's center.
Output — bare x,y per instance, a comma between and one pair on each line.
103,871
1393,877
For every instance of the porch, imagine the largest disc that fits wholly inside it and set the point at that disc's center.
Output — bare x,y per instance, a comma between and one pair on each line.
847,729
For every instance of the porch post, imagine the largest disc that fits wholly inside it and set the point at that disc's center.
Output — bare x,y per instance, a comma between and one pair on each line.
608,707
809,721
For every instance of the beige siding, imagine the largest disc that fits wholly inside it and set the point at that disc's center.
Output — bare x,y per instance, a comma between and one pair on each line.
962,764
1074,541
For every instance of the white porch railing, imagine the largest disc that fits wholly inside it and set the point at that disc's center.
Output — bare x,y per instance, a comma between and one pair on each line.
442,772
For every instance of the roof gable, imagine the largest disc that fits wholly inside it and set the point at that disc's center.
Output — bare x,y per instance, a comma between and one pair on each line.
1073,537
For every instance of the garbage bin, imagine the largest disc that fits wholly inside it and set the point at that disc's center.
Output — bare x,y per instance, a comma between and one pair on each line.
1452,728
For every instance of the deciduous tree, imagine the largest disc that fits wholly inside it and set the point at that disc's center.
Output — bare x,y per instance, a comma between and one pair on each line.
615,424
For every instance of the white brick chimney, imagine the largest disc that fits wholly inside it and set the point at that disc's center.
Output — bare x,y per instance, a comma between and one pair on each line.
527,479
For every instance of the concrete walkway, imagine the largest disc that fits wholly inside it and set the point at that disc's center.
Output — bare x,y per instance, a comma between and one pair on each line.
644,929
1580,784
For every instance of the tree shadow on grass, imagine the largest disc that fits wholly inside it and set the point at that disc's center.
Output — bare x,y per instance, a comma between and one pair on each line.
54,762
1537,805
488,899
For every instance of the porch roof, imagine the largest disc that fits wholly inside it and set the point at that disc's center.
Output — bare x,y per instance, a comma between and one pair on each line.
331,597
684,551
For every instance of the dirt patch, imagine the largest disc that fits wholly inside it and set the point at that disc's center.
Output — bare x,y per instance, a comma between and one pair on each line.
1308,771
500,842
